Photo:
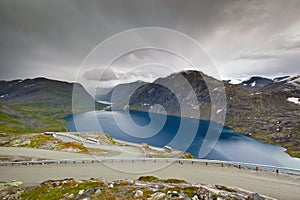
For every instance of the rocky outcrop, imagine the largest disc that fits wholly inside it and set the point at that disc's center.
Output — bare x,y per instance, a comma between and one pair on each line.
125,189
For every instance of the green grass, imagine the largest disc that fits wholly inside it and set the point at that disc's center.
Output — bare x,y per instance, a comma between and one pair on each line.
174,180
37,117
40,141
121,189
155,179
160,155
148,178
53,193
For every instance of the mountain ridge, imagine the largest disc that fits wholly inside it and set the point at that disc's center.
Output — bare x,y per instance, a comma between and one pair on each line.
40,104
266,115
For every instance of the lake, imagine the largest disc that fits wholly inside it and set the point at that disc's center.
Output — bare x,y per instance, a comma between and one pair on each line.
163,130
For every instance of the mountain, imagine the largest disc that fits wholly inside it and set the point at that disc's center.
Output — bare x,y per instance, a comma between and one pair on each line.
266,115
35,105
280,78
101,93
159,93
288,83
256,83
284,83
119,92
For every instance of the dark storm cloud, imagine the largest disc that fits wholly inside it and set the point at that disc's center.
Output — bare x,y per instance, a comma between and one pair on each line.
51,38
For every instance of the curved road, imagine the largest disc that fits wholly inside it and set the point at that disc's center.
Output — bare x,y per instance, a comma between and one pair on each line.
280,186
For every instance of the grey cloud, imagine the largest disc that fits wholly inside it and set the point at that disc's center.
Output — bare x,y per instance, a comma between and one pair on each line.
99,74
291,46
257,56
51,38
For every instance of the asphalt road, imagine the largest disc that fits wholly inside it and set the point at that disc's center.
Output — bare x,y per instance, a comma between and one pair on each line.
280,186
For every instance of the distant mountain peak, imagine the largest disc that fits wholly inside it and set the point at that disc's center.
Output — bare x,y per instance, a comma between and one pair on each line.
256,82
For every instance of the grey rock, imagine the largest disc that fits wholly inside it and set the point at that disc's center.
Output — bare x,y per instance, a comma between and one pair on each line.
98,191
159,196
69,196
255,196
195,197
138,194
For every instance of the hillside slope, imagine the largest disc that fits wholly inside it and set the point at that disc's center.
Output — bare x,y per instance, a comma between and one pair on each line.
119,92
40,104
265,114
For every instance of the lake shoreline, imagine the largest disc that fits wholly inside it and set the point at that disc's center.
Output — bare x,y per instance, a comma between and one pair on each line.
230,135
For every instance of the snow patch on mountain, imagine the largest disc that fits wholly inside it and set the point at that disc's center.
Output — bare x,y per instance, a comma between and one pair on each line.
294,100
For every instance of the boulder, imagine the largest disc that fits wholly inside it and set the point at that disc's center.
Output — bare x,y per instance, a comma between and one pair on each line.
203,193
80,192
69,196
138,194
98,191
255,196
195,197
158,196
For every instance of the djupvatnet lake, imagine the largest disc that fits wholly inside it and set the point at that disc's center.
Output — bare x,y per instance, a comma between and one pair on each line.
163,130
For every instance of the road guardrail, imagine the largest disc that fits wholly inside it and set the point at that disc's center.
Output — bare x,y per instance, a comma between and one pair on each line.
240,165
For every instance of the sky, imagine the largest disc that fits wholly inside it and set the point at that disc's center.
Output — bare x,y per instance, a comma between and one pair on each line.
57,38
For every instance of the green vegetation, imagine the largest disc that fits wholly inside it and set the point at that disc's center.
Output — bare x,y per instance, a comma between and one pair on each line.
46,191
41,141
189,191
148,178
35,117
135,107
155,179
173,180
183,155
187,156
124,189
160,155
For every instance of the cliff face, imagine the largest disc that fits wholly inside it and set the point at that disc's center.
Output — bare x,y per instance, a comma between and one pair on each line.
264,113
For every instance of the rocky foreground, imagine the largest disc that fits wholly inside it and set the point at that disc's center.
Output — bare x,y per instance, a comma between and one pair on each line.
146,187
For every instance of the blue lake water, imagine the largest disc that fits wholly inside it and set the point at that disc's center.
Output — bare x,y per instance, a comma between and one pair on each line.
162,130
